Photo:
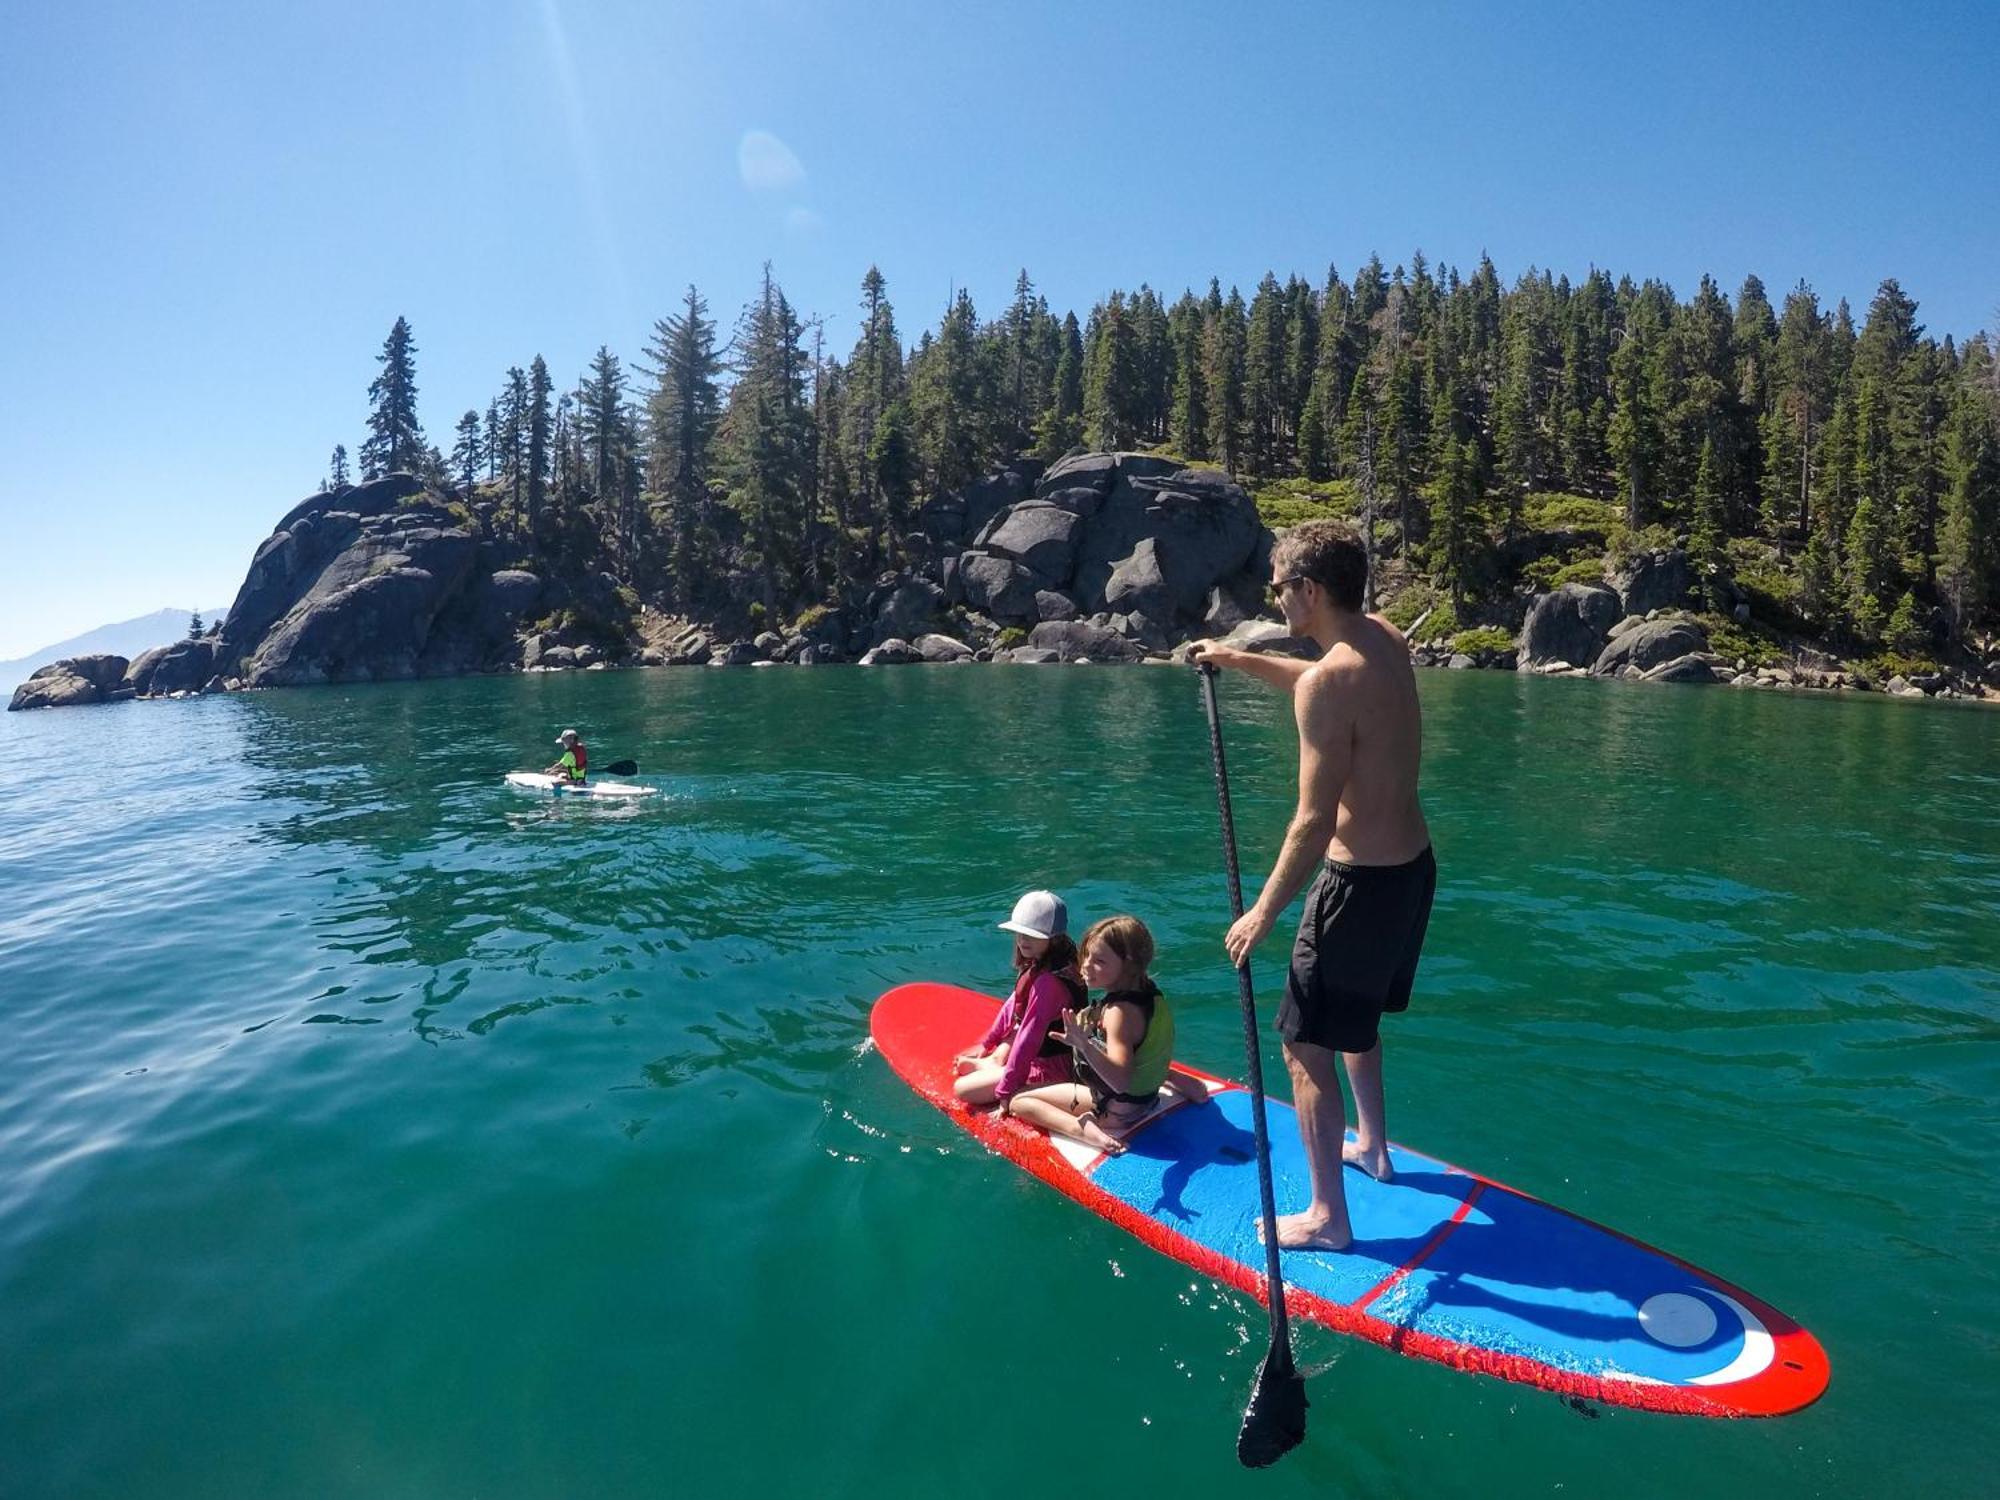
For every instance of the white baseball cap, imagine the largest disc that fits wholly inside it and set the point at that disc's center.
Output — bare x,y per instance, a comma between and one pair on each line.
1039,914
566,736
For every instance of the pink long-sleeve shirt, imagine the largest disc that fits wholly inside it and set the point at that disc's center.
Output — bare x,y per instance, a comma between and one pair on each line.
1023,1022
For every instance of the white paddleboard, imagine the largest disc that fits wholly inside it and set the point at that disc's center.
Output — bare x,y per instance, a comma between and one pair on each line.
535,781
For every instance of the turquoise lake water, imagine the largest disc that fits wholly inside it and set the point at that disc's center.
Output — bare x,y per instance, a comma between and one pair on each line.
368,1129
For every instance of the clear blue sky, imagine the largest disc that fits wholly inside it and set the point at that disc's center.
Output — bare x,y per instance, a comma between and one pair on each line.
211,214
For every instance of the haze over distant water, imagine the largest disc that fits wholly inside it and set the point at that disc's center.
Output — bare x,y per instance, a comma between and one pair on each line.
368,1129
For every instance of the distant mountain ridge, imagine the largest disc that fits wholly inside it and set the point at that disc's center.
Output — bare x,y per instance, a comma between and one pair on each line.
125,638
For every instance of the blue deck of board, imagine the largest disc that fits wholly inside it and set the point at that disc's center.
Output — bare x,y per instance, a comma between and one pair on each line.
1515,1276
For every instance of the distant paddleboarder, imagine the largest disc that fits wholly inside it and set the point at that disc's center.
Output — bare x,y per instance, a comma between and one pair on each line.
575,763
1360,738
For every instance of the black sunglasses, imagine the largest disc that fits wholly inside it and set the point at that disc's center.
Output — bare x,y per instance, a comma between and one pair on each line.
1278,588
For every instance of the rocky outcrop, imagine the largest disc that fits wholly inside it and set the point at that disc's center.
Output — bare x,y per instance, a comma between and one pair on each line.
1079,640
1650,644
1661,579
1117,535
183,667
1567,627
76,681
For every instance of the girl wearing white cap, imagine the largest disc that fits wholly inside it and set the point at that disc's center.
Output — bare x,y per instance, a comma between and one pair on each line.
1017,1051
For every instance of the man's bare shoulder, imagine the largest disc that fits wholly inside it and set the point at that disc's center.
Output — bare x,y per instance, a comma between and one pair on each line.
1395,636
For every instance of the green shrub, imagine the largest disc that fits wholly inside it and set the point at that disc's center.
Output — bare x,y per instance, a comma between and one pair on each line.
1625,545
1886,664
1009,638
1545,574
1751,643
757,612
810,616
1442,622
1482,638
1558,512
1290,502
1403,610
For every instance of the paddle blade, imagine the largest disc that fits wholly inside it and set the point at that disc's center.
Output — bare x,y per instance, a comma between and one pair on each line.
622,768
1274,1423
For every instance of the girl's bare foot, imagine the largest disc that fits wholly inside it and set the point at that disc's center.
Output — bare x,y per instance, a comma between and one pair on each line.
1373,1160
1306,1231
1094,1134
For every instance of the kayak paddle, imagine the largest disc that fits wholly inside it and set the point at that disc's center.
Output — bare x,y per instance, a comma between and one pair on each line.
1274,1422
622,768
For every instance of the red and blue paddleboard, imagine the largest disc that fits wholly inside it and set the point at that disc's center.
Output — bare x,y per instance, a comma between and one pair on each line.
1446,1265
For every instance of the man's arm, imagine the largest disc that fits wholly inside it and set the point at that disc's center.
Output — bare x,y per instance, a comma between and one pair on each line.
1279,671
1326,752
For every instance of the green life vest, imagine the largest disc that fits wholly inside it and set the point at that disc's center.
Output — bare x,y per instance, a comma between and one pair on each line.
1156,1048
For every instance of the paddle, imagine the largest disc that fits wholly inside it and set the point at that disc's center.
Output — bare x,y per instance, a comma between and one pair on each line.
621,768
1274,1422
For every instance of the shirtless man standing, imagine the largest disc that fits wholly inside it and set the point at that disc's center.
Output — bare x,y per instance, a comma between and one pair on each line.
1360,736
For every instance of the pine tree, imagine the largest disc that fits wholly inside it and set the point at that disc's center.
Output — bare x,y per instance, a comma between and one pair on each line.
765,441
681,415
1866,572
1968,567
610,441
1061,426
465,454
336,473
536,419
1187,423
395,439
945,393
195,627
1264,377
1634,433
894,464
513,428
1222,361
1112,391
875,380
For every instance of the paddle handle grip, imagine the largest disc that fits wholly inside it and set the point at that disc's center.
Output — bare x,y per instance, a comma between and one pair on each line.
1252,1046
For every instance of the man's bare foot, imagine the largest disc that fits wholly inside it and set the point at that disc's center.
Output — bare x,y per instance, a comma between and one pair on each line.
1305,1231
1096,1135
1375,1161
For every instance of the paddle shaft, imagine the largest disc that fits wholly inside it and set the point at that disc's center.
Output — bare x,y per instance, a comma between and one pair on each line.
1273,1275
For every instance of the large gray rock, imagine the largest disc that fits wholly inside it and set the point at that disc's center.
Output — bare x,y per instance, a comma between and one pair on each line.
1039,536
1138,584
908,610
364,593
1682,669
1203,529
1567,626
1655,580
891,653
941,648
1074,639
181,667
1050,605
72,682
998,586
1651,644
992,493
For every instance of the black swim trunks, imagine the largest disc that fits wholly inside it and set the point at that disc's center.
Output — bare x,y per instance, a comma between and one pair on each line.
1357,950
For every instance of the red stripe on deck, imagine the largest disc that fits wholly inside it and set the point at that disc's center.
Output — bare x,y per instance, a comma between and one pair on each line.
1425,1252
